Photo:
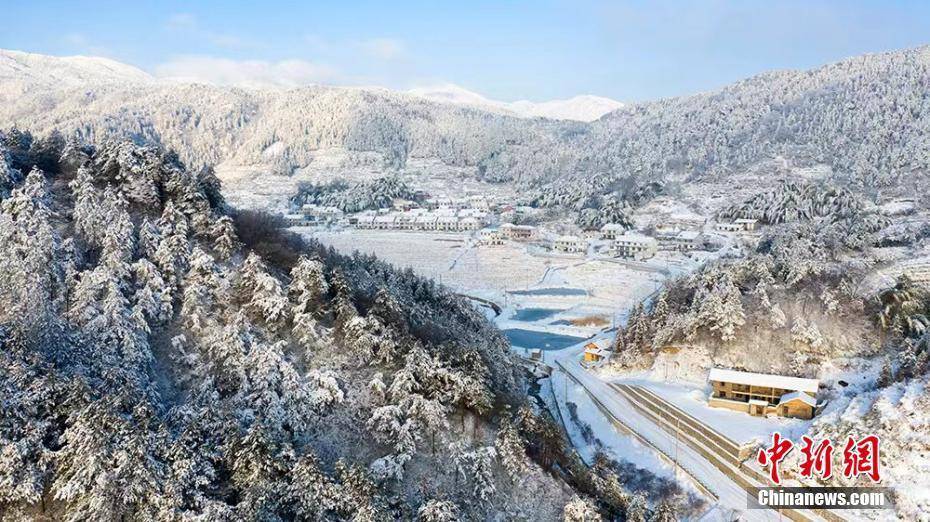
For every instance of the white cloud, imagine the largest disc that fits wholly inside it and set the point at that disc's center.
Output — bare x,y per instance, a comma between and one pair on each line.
246,73
383,48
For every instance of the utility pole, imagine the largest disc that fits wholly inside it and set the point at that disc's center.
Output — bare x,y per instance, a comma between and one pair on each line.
677,432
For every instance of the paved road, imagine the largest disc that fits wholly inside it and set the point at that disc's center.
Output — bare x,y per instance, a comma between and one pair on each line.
730,494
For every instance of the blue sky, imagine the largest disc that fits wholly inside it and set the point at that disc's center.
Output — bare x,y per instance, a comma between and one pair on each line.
504,50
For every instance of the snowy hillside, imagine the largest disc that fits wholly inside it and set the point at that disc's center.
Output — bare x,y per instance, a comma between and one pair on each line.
19,70
839,116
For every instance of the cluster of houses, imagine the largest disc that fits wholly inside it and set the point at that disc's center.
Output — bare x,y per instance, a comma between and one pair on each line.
474,213
634,245
444,220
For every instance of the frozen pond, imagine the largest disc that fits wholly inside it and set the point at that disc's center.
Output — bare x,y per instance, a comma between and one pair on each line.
534,314
544,340
551,291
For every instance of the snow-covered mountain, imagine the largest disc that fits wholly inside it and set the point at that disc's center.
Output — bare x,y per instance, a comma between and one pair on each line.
19,70
579,108
839,115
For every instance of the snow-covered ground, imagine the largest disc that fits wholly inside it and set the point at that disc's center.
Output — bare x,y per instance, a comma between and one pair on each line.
500,272
739,427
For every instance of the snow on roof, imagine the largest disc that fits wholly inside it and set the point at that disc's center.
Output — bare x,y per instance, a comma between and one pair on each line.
387,218
745,220
603,344
689,234
568,239
758,402
764,379
798,396
594,350
635,237
613,226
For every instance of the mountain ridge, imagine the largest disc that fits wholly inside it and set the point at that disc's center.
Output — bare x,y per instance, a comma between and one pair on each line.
838,115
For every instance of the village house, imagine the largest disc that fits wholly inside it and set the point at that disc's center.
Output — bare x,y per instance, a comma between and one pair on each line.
683,240
479,202
366,221
385,221
447,223
570,244
321,214
468,224
405,221
295,220
491,236
597,351
425,221
762,394
737,225
747,224
518,232
612,230
632,245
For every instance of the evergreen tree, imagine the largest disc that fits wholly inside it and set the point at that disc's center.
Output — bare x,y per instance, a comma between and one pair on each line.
225,243
580,509
438,511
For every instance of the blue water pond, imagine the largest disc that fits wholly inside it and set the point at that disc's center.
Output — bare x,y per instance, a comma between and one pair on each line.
542,340
534,314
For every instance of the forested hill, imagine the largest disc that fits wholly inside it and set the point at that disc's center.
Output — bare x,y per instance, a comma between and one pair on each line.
866,117
162,358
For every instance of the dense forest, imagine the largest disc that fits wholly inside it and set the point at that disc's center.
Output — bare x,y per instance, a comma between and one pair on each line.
372,195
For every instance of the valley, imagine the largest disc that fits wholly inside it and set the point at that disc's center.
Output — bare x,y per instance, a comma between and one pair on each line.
354,303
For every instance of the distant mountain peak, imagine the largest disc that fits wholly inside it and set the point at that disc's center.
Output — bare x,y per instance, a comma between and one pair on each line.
69,71
584,107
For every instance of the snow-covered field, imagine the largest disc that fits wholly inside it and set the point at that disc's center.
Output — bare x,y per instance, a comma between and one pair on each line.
496,272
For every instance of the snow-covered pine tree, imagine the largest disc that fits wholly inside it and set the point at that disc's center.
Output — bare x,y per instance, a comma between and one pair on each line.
664,512
511,450
636,510
313,493
173,252
435,510
580,509
29,248
225,241
204,290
